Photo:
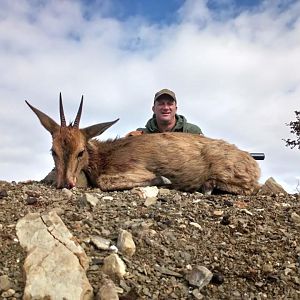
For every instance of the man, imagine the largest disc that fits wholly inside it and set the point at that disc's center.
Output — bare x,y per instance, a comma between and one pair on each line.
165,117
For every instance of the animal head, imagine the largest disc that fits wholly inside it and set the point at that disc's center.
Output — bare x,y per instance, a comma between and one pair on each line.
69,143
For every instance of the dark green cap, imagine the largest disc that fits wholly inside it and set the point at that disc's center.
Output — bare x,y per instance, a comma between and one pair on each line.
165,92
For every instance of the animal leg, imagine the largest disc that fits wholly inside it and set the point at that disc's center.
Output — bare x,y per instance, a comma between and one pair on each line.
129,180
250,189
208,186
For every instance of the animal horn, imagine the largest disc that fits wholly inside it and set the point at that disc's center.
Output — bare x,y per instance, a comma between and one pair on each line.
62,114
77,120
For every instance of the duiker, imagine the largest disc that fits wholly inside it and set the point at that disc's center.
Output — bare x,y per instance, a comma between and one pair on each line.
189,162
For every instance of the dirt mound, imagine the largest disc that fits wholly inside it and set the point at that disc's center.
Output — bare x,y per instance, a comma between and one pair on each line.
250,243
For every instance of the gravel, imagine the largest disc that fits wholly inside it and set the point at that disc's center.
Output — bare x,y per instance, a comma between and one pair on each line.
250,244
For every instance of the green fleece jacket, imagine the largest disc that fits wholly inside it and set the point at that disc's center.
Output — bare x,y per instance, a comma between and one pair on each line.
181,126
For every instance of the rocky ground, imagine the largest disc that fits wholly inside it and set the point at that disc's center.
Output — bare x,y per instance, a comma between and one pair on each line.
251,244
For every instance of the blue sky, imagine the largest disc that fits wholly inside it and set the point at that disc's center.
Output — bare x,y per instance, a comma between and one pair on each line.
162,12
166,12
234,66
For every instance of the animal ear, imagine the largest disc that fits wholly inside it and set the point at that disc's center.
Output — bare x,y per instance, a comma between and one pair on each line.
46,121
97,129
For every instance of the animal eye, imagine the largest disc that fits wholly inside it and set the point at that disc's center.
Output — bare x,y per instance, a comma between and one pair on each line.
53,153
80,154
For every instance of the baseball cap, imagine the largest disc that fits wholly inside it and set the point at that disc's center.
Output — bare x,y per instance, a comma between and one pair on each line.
165,92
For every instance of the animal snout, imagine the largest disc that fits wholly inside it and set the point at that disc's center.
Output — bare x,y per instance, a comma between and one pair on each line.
70,185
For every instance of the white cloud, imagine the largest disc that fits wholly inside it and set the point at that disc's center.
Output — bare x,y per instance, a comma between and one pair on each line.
237,78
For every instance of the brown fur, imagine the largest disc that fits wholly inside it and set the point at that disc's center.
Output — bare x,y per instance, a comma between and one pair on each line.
191,162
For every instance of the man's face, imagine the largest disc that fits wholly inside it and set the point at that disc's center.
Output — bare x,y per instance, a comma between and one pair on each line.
165,109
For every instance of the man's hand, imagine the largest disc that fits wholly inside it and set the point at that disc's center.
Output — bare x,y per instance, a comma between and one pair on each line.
133,133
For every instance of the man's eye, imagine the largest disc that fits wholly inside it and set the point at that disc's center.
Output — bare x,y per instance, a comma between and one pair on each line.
80,154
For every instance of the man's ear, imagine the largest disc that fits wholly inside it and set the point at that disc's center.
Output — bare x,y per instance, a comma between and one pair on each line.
153,108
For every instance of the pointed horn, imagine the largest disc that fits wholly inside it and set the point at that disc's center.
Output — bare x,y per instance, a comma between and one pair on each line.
61,111
77,120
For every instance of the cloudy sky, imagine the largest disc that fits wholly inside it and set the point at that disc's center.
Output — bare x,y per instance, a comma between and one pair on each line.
234,66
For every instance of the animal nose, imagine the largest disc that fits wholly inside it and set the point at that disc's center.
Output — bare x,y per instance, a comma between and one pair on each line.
70,185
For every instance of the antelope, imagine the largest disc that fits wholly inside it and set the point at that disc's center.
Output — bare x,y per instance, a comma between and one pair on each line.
186,162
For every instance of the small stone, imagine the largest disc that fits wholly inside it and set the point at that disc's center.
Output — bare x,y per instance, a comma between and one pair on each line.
150,201
125,243
196,225
114,265
295,218
196,201
246,211
105,232
271,187
287,271
31,200
164,192
114,249
107,198
217,279
100,243
177,197
8,293
89,198
225,220
5,283
236,294
196,293
107,290
267,268
296,280
228,203
146,192
68,193
3,193
199,276
218,213
93,268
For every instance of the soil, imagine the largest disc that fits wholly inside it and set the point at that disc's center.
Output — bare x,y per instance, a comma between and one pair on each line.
251,244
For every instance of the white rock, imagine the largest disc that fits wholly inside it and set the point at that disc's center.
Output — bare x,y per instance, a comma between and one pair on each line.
91,199
55,265
107,290
68,193
164,192
100,242
8,293
199,276
295,218
218,213
114,249
150,201
125,243
108,198
147,192
5,283
114,265
196,225
246,211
